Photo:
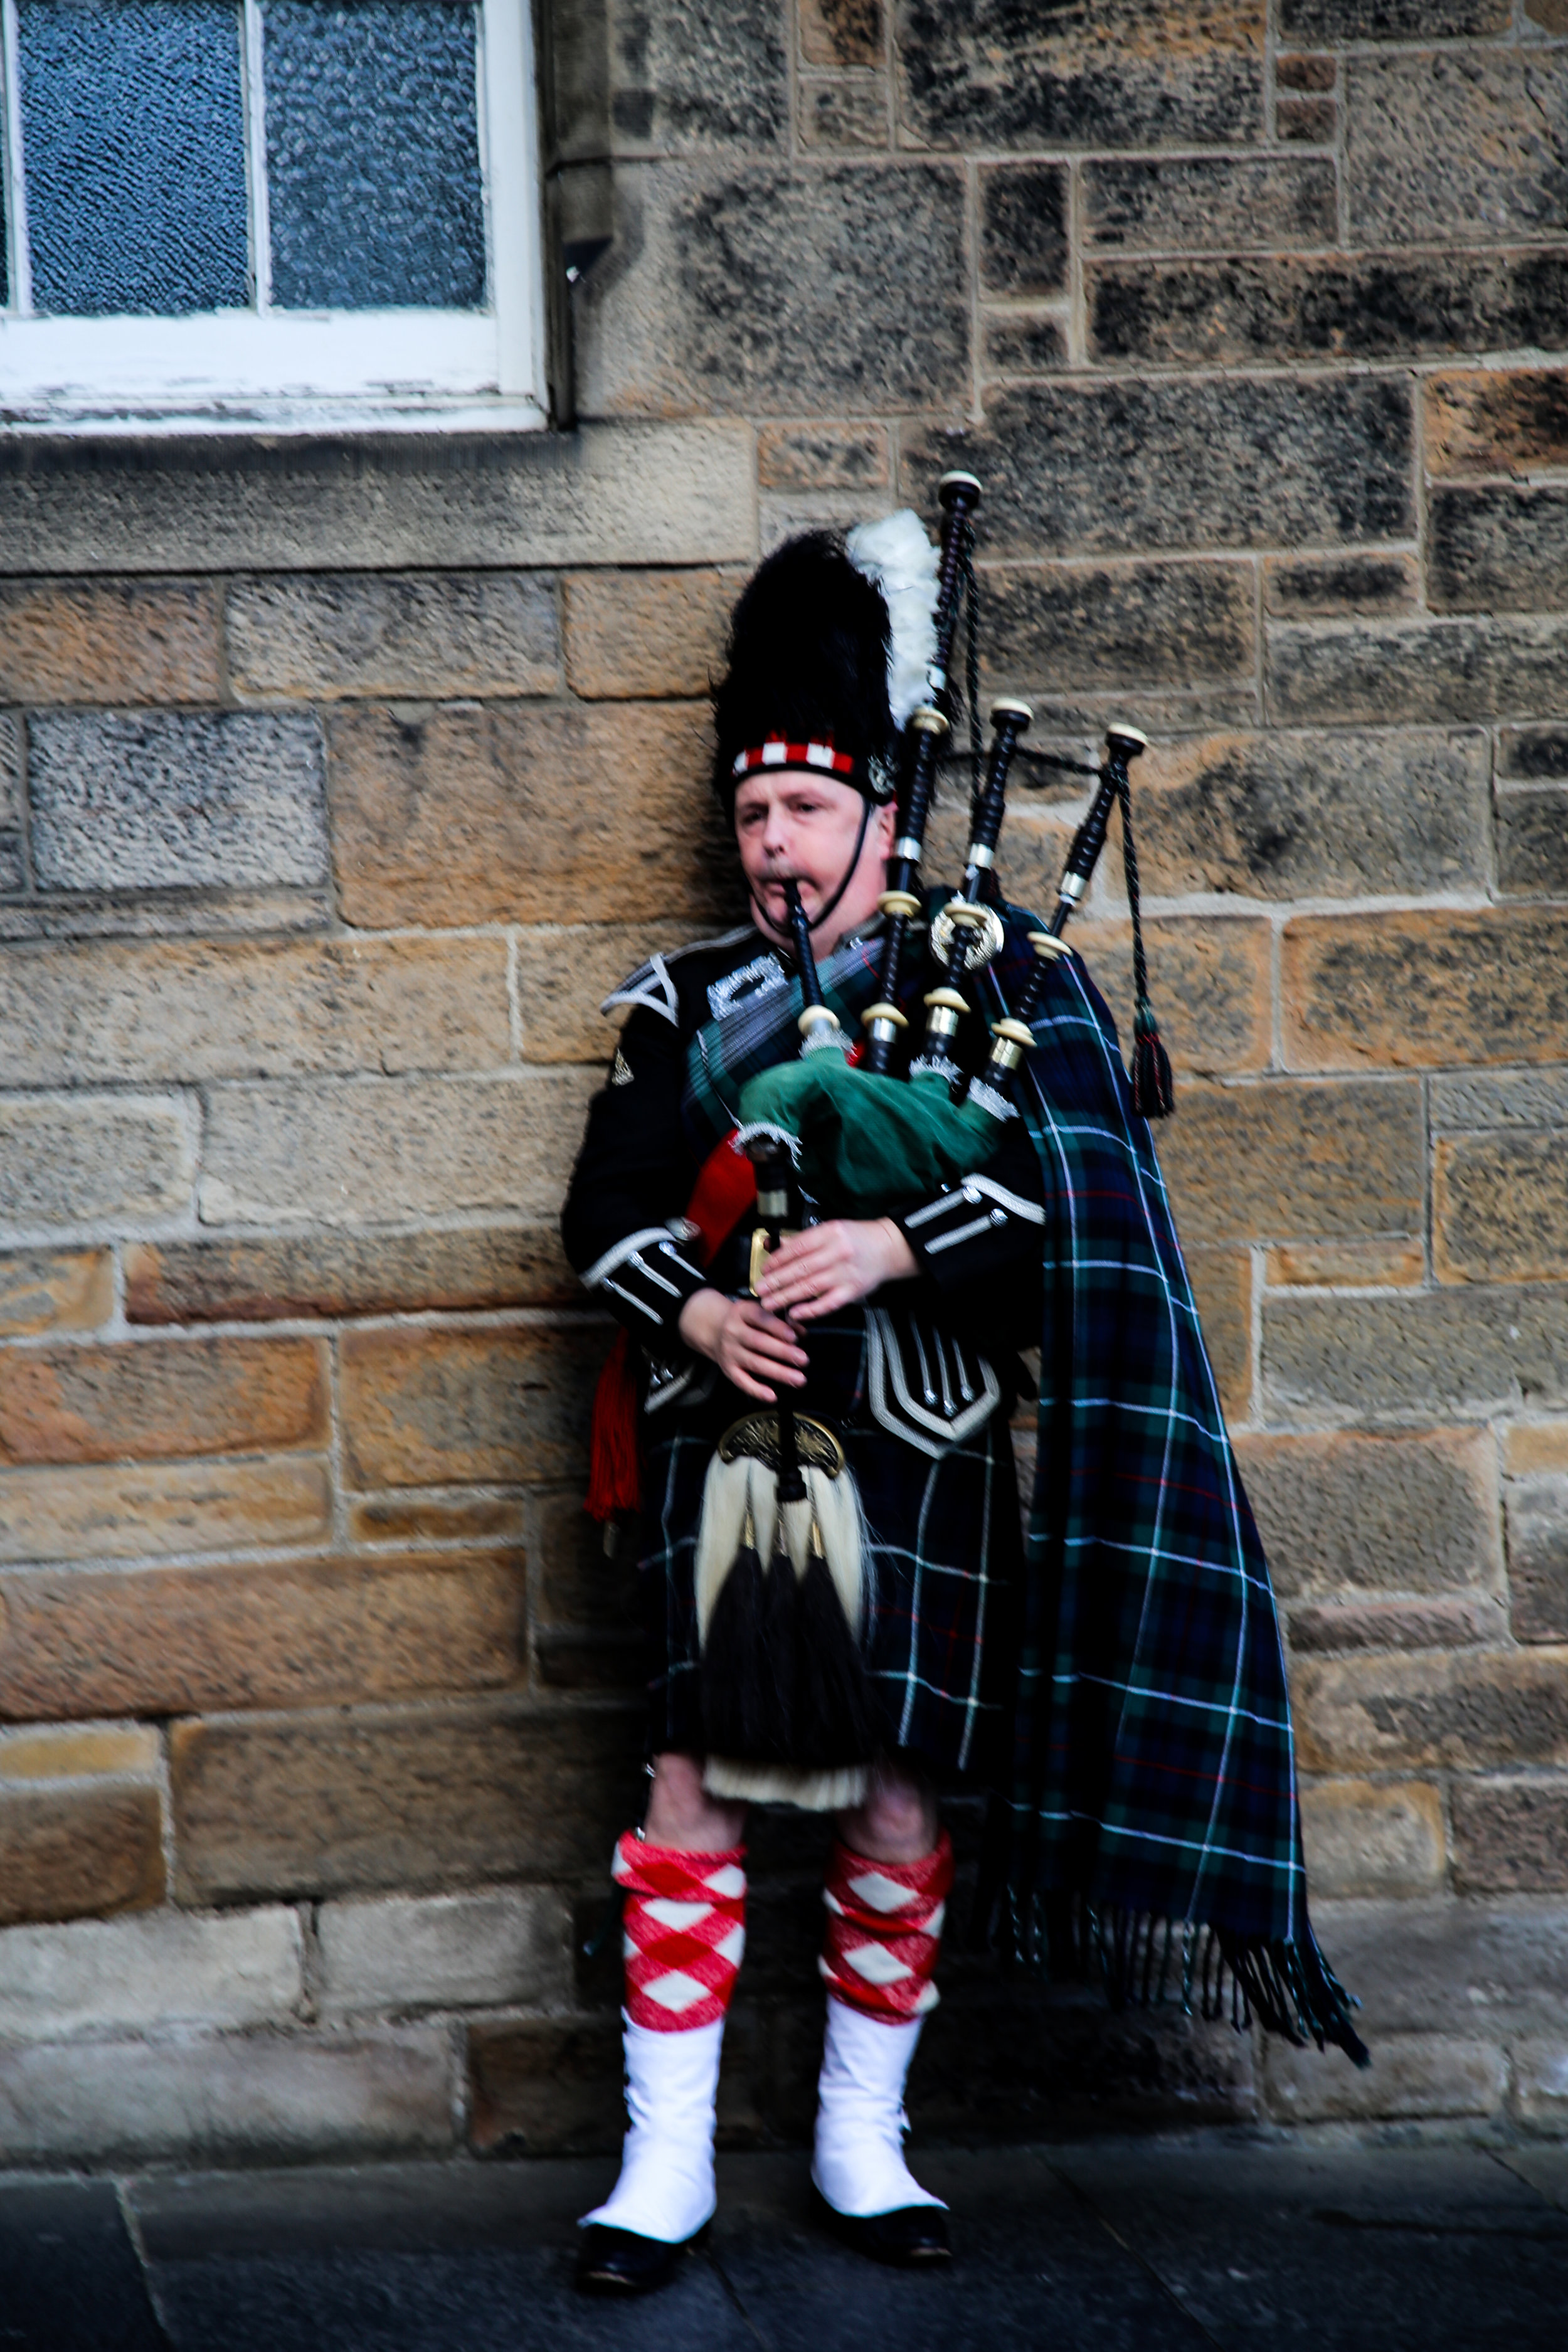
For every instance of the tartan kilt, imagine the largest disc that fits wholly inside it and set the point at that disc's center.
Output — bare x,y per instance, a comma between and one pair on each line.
943,1567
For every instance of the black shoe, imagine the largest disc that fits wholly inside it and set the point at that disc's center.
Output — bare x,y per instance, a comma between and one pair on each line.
617,2261
913,2238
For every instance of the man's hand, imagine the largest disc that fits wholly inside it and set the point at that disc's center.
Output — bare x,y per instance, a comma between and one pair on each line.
750,1346
831,1265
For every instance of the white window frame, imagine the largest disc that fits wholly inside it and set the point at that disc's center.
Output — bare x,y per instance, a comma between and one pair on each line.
264,369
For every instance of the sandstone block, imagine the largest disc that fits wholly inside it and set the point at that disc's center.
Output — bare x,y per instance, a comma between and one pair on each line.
1222,1286
12,865
333,1152
1503,1098
1538,1558
687,77
54,1290
350,1801
1310,587
72,1848
1213,983
1306,73
347,1274
579,1584
80,1159
668,332
1203,204
1481,421
1449,1624
1024,228
546,2087
1495,549
161,801
1315,815
1416,1354
979,74
820,457
1391,20
181,1639
842,111
654,634
508,813
1123,467
1534,754
75,1751
446,1952
422,1408
1412,2077
1376,1515
841,32
1363,1838
1095,628
1472,1710
418,1519
1501,1208
1022,343
183,1010
563,974
1541,1445
366,633
1230,312
1541,2084
214,2100
1355,1266
149,1969
1533,842
1276,1157
1418,673
161,1399
630,493
1419,989
1429,1963
1451,147
119,1512
85,641
1310,121
1510,1836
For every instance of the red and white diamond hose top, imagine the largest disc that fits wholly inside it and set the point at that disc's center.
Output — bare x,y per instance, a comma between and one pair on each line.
884,1931
684,1927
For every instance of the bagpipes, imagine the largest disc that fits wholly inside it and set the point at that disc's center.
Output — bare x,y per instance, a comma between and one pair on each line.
781,1558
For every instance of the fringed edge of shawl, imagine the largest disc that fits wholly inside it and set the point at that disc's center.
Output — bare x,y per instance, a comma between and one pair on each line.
1142,1959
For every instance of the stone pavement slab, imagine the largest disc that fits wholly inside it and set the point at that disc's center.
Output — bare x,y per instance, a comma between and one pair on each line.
1236,2240
69,2276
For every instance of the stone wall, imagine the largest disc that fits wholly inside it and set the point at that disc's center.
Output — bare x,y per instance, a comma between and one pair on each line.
338,781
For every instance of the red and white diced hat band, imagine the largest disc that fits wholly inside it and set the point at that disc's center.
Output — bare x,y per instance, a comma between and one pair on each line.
776,754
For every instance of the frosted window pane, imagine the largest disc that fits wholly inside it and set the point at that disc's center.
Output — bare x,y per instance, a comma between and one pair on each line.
372,156
133,145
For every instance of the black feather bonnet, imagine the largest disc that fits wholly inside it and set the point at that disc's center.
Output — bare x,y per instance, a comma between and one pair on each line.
806,668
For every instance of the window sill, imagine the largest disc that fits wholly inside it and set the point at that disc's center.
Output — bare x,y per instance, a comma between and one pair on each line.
261,419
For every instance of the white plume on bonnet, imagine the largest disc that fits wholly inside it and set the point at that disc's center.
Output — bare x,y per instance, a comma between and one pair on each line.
897,557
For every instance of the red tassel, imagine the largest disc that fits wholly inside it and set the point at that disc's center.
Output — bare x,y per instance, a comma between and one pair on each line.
615,1466
726,1190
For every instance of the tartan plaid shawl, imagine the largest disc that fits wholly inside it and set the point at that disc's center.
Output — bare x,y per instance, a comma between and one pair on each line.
1150,1825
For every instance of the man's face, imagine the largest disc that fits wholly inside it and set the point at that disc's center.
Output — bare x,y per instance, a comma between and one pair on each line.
792,822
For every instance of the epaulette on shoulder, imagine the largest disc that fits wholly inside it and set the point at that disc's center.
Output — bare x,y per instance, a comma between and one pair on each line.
652,985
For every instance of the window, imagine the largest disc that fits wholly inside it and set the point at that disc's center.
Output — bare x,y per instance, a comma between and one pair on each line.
269,212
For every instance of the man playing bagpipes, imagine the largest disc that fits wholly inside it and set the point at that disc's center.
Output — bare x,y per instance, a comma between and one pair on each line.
826,1278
